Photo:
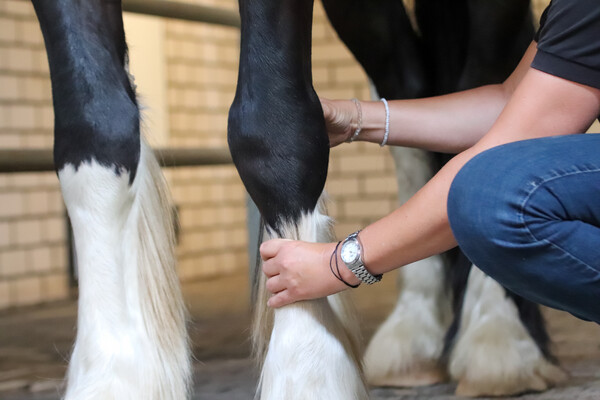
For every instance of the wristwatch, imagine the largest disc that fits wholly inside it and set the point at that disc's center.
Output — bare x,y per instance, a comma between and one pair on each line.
351,255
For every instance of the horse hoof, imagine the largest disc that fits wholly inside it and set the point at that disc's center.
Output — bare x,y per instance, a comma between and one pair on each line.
405,351
541,377
423,376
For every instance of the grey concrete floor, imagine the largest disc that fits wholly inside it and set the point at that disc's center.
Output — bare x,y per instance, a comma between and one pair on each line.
35,344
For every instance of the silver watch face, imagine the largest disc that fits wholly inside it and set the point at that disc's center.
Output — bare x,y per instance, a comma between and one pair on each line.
350,251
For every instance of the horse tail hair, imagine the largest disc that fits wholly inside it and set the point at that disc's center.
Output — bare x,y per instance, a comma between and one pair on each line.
161,301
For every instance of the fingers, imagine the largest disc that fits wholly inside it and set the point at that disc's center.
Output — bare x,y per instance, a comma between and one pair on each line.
325,106
275,284
281,299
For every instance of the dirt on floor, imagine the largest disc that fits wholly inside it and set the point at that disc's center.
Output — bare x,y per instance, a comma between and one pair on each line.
35,344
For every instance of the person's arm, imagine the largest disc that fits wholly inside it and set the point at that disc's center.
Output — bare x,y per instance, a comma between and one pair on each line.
449,124
541,105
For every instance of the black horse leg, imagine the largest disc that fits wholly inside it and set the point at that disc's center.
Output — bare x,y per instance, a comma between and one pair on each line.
444,32
276,128
496,35
499,34
96,113
380,35
405,349
131,341
279,145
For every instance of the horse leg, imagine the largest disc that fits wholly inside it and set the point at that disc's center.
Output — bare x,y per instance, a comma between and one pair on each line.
494,353
279,145
493,324
499,34
131,340
406,348
386,45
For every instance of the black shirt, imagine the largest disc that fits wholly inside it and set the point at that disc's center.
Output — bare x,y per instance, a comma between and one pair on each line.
568,41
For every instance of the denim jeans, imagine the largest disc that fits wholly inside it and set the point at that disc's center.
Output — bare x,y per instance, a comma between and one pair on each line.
528,215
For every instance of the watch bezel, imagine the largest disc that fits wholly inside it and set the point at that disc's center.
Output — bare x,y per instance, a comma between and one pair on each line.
357,261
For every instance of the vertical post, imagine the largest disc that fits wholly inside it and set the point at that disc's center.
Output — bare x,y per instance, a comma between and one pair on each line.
253,225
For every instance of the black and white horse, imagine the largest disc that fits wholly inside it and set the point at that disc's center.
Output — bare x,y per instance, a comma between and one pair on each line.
131,338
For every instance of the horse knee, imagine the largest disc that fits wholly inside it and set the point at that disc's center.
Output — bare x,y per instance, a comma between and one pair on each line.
105,129
281,152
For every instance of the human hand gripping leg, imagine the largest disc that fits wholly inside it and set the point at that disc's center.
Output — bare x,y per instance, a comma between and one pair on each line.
298,271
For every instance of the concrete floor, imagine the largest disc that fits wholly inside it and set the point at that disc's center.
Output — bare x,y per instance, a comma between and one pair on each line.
35,343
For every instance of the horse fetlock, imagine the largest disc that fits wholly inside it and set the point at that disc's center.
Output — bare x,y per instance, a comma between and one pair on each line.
292,372
494,353
405,350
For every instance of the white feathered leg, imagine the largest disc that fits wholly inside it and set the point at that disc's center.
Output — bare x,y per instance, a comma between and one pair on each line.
494,355
406,348
311,353
131,339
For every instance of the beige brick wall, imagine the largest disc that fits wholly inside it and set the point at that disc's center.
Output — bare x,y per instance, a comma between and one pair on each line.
32,231
201,77
201,65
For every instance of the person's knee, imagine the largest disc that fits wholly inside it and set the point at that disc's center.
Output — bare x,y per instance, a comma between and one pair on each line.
483,207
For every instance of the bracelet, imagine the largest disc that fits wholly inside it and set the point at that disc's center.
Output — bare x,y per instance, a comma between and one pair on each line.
387,122
338,275
359,122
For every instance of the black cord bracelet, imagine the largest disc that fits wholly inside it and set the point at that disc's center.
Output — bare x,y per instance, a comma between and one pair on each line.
338,275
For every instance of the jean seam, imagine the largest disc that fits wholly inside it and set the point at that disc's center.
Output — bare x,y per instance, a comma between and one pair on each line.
526,200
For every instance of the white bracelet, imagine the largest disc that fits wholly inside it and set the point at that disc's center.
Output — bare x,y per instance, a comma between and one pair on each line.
387,122
359,122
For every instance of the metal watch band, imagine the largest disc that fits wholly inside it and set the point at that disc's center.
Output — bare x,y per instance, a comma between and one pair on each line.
365,276
360,270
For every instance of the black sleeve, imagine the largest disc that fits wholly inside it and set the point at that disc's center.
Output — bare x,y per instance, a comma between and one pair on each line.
568,41
542,22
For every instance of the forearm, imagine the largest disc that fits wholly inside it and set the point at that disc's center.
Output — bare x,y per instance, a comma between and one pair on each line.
416,230
448,124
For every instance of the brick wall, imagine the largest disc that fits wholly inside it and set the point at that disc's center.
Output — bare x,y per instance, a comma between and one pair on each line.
202,73
32,231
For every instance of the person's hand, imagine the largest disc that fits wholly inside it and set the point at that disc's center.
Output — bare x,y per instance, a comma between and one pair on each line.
340,119
298,270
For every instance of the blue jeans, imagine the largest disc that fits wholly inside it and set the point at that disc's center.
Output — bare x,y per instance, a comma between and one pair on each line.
528,215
